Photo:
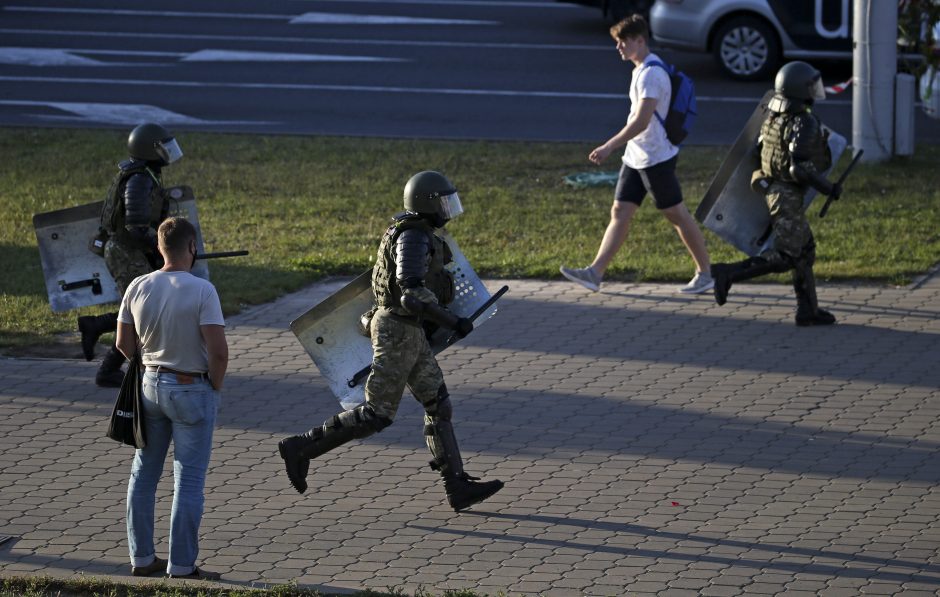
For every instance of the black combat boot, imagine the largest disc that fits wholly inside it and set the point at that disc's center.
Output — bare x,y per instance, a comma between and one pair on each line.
109,374
462,490
725,274
297,450
807,307
91,327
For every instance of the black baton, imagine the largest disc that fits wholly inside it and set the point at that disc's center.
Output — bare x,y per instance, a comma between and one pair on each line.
845,173
483,308
364,372
221,254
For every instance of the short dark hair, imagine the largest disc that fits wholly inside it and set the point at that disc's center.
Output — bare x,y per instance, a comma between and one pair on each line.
632,26
175,233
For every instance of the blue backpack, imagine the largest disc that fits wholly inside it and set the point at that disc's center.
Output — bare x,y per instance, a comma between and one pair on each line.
682,107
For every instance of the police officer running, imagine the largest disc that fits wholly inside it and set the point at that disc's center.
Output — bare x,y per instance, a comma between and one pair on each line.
132,211
794,152
410,286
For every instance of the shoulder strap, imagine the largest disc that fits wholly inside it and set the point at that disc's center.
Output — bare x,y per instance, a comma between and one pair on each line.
659,63
409,223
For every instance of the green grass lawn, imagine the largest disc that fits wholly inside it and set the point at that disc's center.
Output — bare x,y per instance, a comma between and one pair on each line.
309,207
24,586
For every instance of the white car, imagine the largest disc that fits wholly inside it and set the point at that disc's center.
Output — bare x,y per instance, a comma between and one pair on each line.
750,38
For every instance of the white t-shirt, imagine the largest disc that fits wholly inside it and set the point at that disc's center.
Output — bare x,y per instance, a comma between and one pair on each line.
650,147
166,309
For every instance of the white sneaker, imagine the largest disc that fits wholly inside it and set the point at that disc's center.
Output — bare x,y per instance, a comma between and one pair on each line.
584,276
702,282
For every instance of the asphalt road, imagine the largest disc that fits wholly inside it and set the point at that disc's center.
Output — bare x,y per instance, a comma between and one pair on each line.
536,70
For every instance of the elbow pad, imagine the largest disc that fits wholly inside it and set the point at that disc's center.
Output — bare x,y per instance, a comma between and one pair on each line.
145,238
415,300
137,193
415,303
412,254
805,173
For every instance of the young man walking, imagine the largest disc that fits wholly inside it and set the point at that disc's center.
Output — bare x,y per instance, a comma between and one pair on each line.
649,164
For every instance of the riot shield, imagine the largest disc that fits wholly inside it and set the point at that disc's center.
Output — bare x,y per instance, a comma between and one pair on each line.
329,331
75,277
730,208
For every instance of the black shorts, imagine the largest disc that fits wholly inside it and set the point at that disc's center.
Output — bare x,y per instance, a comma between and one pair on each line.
659,181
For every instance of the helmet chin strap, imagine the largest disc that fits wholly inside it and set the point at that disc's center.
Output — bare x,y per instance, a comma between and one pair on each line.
436,220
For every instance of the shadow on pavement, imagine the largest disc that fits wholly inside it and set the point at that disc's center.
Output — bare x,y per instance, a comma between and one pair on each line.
850,567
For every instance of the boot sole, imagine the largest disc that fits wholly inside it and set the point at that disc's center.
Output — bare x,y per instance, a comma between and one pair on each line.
301,487
464,506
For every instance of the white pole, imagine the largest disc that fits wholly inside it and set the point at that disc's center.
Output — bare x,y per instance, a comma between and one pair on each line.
874,67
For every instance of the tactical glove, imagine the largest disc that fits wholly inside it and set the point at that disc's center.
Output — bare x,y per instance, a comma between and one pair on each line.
836,191
463,327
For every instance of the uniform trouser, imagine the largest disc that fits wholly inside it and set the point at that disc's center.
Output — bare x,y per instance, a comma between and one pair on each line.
793,246
125,262
792,236
402,358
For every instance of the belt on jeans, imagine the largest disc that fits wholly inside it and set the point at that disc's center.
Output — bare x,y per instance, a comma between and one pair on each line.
183,377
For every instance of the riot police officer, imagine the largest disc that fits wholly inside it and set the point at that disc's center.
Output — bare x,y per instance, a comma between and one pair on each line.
794,152
410,287
133,209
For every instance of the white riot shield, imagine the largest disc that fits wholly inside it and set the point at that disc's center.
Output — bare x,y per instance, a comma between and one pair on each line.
329,331
730,208
76,277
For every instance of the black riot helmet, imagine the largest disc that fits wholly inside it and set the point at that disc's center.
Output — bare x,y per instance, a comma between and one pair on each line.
798,84
153,143
431,195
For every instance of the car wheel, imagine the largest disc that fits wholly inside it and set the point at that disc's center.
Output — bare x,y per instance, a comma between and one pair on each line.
747,49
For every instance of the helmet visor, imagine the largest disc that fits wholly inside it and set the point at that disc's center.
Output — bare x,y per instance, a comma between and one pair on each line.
169,150
450,206
817,91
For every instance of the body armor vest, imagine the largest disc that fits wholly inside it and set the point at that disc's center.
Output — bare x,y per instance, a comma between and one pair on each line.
776,134
438,280
112,212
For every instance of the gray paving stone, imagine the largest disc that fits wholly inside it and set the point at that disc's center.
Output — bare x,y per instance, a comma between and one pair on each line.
801,460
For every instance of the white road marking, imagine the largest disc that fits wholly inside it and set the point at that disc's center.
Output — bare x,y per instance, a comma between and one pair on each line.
124,113
44,57
331,18
67,57
327,18
148,13
240,56
368,89
359,41
493,4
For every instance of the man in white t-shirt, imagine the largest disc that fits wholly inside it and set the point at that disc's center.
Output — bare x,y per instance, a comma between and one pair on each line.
649,164
176,320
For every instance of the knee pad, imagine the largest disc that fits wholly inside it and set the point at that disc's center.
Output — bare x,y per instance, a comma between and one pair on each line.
776,261
808,256
441,407
362,421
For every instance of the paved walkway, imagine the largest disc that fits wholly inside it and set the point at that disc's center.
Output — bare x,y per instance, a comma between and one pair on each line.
651,443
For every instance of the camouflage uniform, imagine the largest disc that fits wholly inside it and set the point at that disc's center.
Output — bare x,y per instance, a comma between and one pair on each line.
139,188
410,263
788,140
402,355
133,209
793,240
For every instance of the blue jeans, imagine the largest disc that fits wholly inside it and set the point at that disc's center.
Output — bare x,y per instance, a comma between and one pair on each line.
185,414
